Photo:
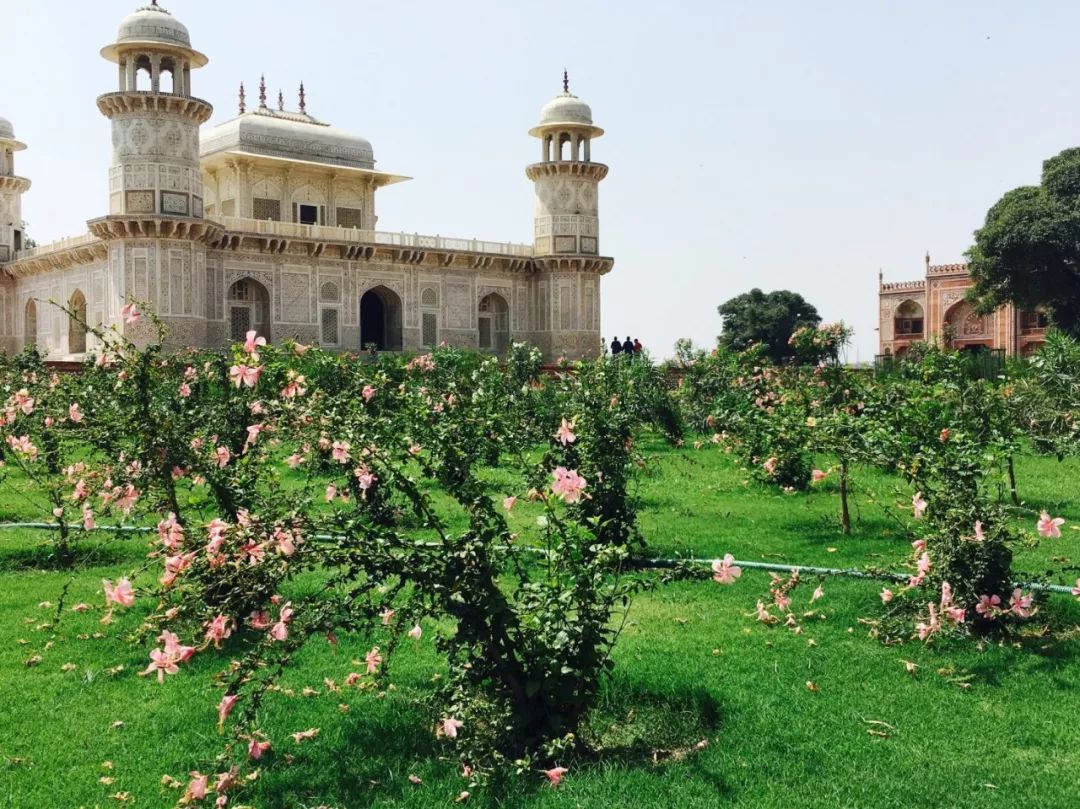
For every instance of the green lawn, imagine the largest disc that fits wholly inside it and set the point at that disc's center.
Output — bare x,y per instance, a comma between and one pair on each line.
991,727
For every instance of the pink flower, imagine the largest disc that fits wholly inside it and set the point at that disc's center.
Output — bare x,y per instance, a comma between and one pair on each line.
218,630
341,451
253,434
294,460
24,401
331,492
373,660
252,343
23,445
174,566
955,614
943,436
450,727
280,630
416,631
979,535
88,519
924,564
225,707
763,614
74,413
988,606
919,505
174,648
257,748
770,466
368,393
1049,526
286,542
568,484
555,775
197,787
817,476
415,449
245,375
725,571
162,663
508,503
886,595
184,390
365,478
170,533
259,619
223,456
1020,603
818,593
129,313
1076,589
122,594
565,434
386,615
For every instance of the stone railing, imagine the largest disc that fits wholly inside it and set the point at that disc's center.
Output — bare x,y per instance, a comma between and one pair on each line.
57,246
294,230
895,286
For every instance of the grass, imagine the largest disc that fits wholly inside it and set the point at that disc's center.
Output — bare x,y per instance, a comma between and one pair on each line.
972,727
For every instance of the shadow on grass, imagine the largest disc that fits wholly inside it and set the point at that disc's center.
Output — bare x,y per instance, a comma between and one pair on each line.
631,727
43,555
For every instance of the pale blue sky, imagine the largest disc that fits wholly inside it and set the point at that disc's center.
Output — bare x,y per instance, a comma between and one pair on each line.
782,145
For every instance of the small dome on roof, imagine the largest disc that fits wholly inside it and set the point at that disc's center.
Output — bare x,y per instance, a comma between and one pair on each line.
566,108
153,25
6,129
289,136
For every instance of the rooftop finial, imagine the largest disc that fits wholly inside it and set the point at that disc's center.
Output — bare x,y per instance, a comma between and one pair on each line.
303,99
262,92
280,101
565,81
243,99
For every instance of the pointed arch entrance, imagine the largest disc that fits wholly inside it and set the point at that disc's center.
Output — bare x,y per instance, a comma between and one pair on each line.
493,318
30,323
380,319
249,308
77,323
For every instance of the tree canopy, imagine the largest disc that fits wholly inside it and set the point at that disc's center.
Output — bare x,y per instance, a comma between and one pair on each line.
767,318
1028,251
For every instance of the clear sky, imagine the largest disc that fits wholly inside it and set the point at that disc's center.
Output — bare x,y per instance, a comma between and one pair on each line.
784,144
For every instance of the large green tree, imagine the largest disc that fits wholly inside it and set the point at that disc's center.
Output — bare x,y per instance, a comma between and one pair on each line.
1028,251
766,318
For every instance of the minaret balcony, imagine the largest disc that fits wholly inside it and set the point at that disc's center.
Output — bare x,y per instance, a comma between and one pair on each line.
11,183
156,226
575,168
141,102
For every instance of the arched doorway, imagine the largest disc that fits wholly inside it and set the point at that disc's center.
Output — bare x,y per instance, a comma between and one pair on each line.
380,319
249,308
493,319
966,328
77,323
30,324
908,322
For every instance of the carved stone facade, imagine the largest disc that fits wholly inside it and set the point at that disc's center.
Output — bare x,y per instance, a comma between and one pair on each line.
935,309
268,221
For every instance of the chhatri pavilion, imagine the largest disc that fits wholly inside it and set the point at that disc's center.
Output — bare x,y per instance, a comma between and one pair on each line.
268,221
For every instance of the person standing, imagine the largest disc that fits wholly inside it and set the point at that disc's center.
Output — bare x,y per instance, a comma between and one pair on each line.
616,347
637,346
628,347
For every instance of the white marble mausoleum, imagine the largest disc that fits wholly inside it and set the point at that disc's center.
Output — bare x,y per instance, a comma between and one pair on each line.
268,221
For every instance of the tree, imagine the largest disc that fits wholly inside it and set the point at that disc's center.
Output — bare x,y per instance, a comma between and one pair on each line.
1028,251
769,319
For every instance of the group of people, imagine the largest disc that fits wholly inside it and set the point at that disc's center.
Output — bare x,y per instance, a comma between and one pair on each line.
629,347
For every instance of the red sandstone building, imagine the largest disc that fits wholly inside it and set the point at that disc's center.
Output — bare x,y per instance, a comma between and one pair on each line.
934,309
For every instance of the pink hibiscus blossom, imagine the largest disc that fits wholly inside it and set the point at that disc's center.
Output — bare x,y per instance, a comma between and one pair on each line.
122,594
368,393
988,606
222,456
1020,604
130,313
416,631
245,375
565,434
280,630
1049,526
508,503
75,412
253,434
170,532
568,484
886,595
817,475
373,660
340,451
770,466
919,505
252,343
225,707
450,727
259,619
555,775
218,630
257,748
725,571
979,535
197,787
